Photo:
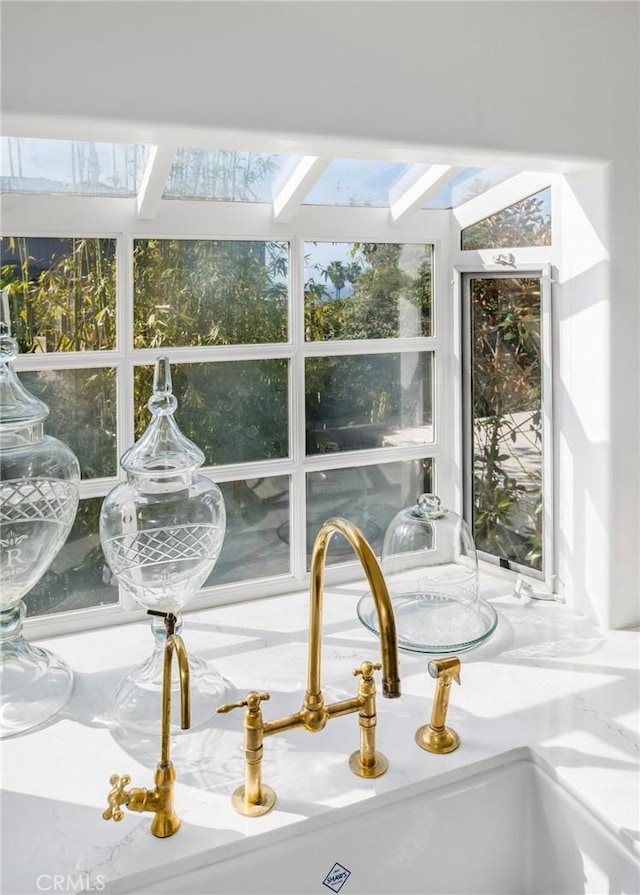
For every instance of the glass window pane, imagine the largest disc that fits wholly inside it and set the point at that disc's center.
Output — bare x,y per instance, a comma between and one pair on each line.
507,417
227,176
367,290
71,167
254,546
467,184
526,223
62,292
356,182
79,577
235,411
204,292
368,401
83,407
368,496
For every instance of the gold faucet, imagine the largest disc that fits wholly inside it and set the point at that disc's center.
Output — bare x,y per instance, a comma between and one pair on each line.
159,800
253,798
436,736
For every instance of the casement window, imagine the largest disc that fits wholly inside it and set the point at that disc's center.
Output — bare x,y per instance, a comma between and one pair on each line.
507,382
506,393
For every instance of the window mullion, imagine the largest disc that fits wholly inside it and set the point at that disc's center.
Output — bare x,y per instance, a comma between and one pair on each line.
297,502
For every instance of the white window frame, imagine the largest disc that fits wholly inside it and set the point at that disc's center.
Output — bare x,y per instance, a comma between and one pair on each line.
463,276
147,216
182,219
518,261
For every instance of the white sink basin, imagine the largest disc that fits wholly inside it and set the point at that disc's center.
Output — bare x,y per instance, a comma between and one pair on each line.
509,828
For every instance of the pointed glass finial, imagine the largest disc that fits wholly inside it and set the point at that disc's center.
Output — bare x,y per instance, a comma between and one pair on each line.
18,407
8,345
162,449
162,401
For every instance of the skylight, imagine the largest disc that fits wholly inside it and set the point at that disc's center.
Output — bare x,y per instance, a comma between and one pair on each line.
227,176
69,167
470,182
357,182
287,182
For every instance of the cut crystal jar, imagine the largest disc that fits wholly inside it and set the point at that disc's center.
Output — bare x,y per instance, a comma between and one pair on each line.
161,532
39,478
431,568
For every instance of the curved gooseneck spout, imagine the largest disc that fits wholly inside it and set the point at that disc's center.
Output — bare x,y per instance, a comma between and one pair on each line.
159,800
313,700
253,798
174,643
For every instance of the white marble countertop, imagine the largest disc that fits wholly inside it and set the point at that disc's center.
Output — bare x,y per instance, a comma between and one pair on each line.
547,679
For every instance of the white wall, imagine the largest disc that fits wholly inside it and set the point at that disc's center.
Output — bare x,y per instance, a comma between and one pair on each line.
553,82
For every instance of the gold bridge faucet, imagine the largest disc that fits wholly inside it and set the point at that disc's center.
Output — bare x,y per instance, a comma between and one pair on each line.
159,800
254,798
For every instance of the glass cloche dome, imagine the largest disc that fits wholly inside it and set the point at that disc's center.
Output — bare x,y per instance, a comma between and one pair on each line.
431,568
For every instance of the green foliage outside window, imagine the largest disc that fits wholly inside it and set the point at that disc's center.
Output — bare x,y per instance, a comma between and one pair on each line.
62,292
235,411
507,389
389,292
208,292
525,223
507,417
366,291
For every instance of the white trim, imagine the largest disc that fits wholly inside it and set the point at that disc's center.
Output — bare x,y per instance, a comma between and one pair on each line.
422,190
307,173
158,167
500,196
34,215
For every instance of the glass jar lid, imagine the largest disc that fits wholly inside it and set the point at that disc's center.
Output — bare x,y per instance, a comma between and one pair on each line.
18,407
162,450
430,566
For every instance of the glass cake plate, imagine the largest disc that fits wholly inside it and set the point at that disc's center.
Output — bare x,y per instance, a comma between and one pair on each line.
428,622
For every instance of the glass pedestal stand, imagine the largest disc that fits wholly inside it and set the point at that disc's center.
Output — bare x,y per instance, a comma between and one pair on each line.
138,696
35,683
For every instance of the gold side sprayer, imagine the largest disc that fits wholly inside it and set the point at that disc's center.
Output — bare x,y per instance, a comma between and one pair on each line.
436,736
159,800
254,798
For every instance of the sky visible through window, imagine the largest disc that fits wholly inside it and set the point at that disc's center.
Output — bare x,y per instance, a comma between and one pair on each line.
71,167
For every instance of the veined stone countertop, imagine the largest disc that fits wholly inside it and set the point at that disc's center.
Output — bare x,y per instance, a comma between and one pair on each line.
547,679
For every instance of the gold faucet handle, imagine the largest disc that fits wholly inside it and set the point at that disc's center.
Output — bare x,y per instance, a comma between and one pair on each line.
252,702
117,796
367,669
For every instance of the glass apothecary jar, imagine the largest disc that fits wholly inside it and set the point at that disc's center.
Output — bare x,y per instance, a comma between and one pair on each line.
39,494
430,565
161,531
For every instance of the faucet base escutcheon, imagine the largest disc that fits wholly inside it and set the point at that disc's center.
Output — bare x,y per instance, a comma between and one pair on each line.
377,768
247,808
438,741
